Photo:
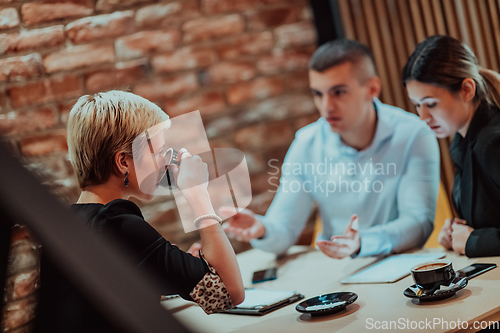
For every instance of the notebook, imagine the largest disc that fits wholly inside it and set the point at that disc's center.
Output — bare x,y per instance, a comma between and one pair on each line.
393,268
261,301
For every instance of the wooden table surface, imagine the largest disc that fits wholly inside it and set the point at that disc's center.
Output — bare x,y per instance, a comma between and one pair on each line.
311,273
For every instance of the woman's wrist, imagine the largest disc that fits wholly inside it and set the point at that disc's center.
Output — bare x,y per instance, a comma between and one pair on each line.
199,201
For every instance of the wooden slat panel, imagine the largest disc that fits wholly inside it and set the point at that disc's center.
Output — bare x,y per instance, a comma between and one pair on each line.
359,22
451,19
438,17
399,44
376,46
476,32
495,30
345,12
389,53
417,21
489,43
409,32
462,22
430,29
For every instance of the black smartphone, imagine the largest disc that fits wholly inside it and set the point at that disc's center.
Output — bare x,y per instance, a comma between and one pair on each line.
474,270
265,275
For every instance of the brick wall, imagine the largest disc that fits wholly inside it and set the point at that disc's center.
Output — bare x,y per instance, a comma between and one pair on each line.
22,282
242,63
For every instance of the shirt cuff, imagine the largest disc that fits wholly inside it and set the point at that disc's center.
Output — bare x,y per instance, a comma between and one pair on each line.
374,243
211,293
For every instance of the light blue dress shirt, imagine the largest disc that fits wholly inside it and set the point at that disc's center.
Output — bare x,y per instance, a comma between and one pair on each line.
392,185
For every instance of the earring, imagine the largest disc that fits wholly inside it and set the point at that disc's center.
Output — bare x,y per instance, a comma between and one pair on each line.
126,181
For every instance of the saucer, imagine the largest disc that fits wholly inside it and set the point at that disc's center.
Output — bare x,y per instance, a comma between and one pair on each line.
438,295
327,304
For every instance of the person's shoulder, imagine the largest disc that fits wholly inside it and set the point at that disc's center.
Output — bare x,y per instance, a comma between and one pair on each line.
121,207
310,131
488,139
404,122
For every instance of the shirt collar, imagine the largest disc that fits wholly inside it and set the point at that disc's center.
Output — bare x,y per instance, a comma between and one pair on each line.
383,131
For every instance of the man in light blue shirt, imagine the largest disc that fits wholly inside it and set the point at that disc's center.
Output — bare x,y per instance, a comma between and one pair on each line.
372,169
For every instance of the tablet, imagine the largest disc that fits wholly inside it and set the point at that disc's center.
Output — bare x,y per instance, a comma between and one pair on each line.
393,268
261,301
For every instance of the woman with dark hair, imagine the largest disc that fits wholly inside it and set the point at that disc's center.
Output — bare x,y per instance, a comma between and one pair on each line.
455,96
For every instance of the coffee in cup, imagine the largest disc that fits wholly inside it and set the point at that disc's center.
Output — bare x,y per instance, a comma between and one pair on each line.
430,275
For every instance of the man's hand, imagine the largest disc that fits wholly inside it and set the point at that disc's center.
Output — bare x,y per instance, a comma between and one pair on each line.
444,237
340,247
460,233
243,226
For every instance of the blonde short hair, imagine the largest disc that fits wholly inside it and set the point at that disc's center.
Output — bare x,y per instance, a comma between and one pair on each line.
102,125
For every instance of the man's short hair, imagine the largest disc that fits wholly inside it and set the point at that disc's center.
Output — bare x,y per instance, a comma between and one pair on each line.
101,125
339,51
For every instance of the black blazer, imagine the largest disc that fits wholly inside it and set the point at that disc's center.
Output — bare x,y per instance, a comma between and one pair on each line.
476,188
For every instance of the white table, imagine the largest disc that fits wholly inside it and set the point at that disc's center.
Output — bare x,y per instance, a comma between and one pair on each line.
312,273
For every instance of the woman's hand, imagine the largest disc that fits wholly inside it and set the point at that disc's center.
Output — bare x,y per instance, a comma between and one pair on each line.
460,234
444,237
194,250
192,172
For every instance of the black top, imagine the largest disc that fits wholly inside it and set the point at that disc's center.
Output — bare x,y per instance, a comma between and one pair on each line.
64,309
476,188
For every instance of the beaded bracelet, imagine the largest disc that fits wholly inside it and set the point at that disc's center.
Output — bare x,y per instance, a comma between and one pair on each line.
205,217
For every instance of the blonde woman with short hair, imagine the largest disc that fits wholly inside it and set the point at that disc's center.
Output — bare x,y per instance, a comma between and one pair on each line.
101,132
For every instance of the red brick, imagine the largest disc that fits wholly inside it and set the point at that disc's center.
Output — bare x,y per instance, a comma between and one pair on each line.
297,34
9,18
19,68
16,122
64,109
283,60
20,235
259,88
255,162
256,43
79,56
188,57
220,126
210,28
231,72
142,43
167,87
44,91
24,257
111,5
2,100
123,74
101,26
224,6
260,136
44,144
208,103
306,120
273,17
19,313
25,284
37,12
298,80
281,107
161,15
32,39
